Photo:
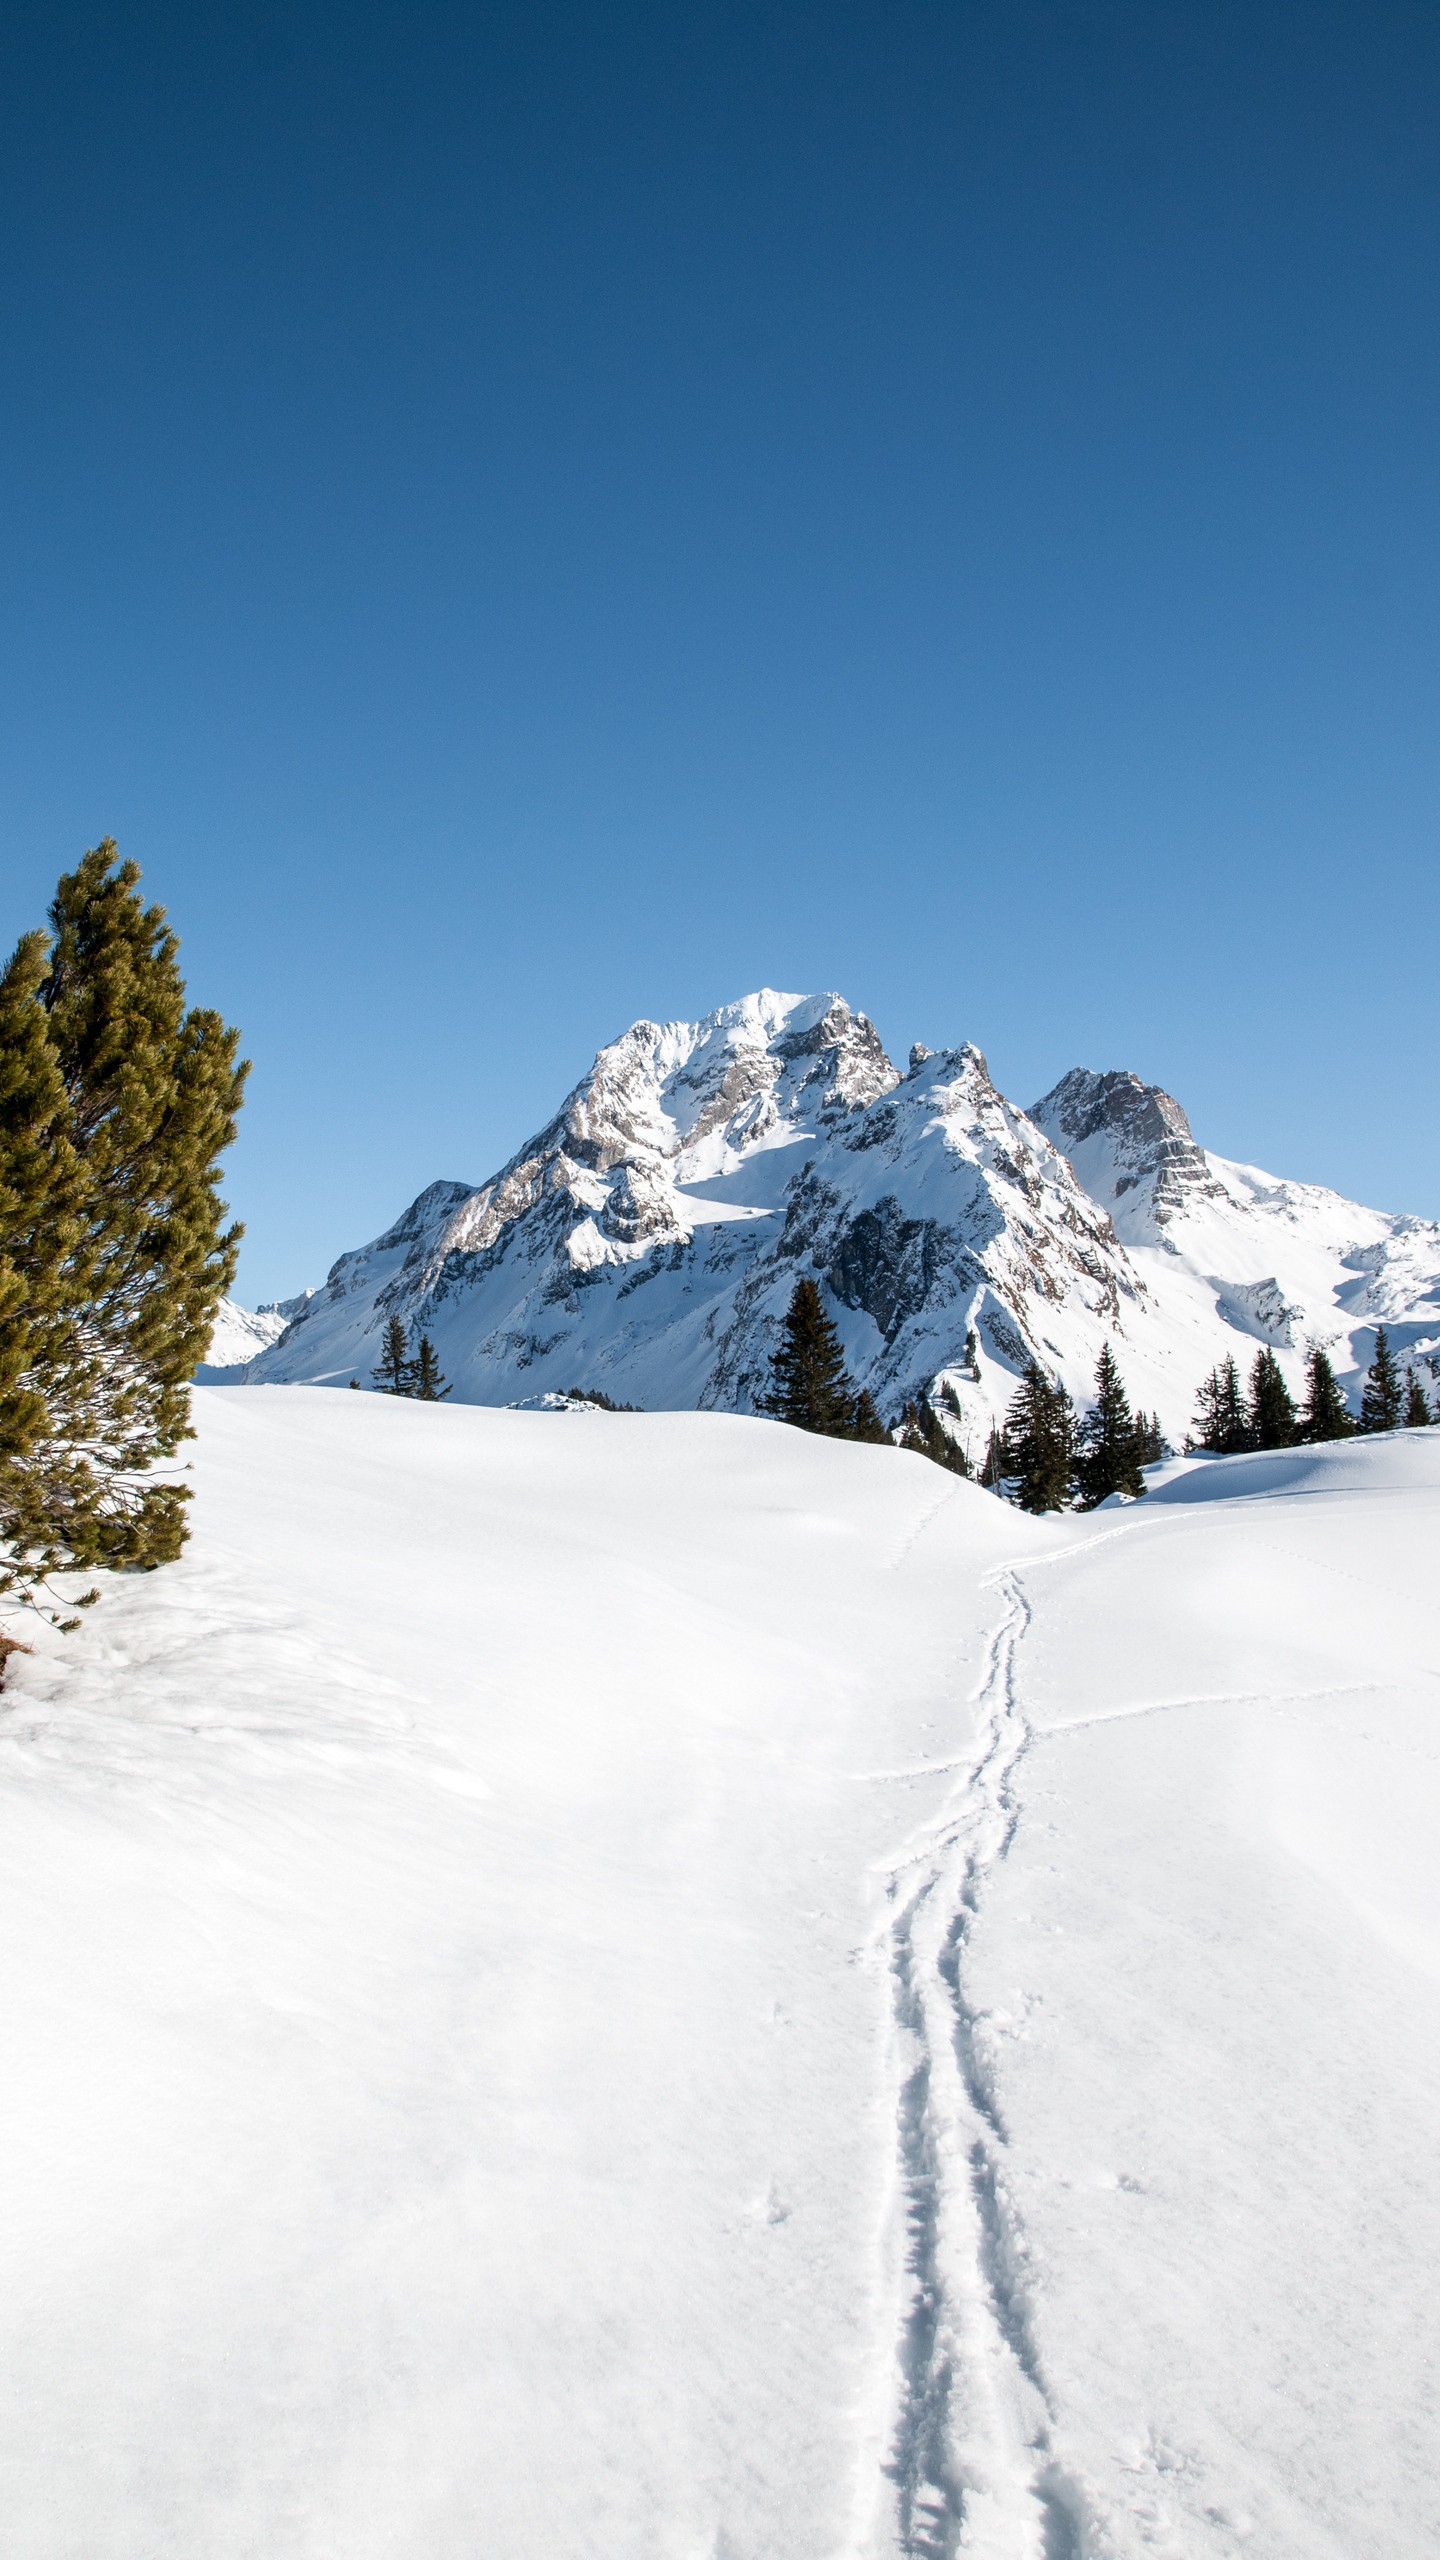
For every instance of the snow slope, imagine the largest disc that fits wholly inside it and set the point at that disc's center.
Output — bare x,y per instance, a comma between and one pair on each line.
647,1242
646,1986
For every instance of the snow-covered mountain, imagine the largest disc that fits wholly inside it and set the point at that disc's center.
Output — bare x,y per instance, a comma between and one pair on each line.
647,1241
240,1334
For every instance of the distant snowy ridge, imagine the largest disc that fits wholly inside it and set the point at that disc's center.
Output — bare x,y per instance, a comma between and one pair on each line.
239,1335
646,1242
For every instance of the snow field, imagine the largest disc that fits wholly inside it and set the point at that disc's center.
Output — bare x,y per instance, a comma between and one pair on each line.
644,1985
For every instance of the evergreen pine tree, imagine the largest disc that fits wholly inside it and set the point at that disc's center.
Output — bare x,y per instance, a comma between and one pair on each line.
1380,1402
1418,1415
923,1431
427,1381
995,1469
1325,1414
1274,1423
865,1422
1108,1444
1039,1442
44,1370
810,1386
129,1258
392,1374
972,1351
1221,1423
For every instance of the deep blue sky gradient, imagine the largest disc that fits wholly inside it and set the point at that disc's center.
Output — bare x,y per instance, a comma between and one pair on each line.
525,516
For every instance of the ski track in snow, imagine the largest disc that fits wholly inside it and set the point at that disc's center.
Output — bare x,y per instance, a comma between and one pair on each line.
970,2461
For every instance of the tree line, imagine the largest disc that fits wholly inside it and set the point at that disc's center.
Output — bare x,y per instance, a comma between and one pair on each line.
1045,1457
116,1104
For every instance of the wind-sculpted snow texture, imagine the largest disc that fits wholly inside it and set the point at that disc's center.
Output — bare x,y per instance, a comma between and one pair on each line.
645,1986
647,1242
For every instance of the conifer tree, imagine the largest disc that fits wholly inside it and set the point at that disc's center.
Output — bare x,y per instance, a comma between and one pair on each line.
392,1373
1151,1444
1039,1442
994,1471
1221,1423
865,1422
128,1257
1380,1402
1325,1414
923,1431
810,1386
427,1380
1418,1415
1107,1456
1274,1423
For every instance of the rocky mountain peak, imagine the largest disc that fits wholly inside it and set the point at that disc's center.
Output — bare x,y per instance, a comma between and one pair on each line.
1131,1145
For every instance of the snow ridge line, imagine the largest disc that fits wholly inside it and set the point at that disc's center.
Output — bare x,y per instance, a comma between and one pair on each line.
971,2463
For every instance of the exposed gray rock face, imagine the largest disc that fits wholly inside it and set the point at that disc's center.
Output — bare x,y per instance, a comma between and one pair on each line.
1131,1145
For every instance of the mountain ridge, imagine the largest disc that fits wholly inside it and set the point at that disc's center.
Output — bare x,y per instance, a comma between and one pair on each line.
646,1240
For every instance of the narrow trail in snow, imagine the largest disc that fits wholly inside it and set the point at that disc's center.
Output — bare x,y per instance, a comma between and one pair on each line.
970,2456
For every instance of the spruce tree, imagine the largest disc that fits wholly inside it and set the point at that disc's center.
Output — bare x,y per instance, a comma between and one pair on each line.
1039,1442
810,1386
129,1256
1221,1423
1108,1444
865,1422
1274,1423
427,1380
392,1374
1380,1402
1418,1415
1325,1414
923,1431
995,1469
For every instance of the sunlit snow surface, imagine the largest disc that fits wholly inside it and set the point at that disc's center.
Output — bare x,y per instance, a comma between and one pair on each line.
648,1988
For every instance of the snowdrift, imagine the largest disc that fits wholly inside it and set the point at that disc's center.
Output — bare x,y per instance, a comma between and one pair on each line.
644,1986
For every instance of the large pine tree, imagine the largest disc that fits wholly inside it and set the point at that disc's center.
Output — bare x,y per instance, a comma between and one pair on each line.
127,1255
1381,1401
392,1371
1108,1444
809,1383
1273,1420
428,1382
1221,1423
1039,1442
1324,1414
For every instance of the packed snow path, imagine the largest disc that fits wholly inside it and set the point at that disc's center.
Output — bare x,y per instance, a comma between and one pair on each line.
649,1988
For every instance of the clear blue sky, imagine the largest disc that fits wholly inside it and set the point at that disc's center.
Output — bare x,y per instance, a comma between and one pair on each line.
524,516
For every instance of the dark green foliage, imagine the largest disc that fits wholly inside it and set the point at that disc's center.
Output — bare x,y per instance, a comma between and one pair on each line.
427,1381
1039,1443
923,1431
1151,1444
972,1351
865,1422
116,1104
1274,1423
1325,1414
592,1395
1381,1401
993,1473
392,1373
1221,1422
1418,1415
1107,1454
810,1386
